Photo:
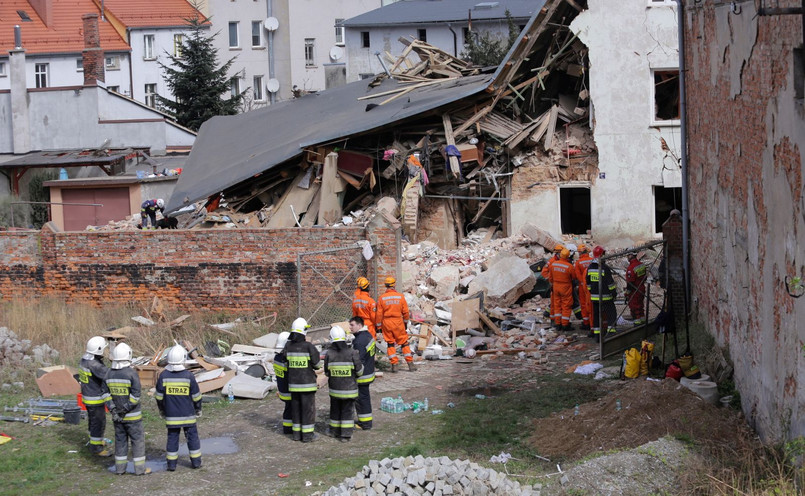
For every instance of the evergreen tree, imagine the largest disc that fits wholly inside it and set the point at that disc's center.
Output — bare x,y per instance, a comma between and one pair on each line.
487,50
196,82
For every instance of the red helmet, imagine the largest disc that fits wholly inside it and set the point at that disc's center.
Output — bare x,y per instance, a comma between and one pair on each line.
598,251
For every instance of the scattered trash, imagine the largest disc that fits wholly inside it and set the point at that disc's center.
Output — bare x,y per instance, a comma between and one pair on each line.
588,368
501,458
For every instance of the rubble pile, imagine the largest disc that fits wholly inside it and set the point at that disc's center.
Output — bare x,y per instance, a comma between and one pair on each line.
437,476
15,352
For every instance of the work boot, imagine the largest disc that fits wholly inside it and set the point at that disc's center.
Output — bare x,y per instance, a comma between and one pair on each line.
104,453
393,368
345,439
145,472
171,467
411,367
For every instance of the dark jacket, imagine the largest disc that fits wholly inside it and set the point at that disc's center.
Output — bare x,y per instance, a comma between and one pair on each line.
91,373
281,372
303,361
343,366
124,394
178,398
600,282
366,347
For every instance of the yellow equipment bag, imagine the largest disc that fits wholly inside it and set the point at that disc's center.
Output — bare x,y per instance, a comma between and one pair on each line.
631,359
646,351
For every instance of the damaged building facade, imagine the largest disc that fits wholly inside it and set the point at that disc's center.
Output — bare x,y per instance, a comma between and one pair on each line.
746,129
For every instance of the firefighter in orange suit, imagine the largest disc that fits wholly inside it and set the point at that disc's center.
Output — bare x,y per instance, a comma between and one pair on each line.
364,306
562,274
584,294
556,317
636,289
392,315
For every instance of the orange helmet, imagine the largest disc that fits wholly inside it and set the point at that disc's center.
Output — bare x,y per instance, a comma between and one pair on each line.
558,248
583,249
363,282
390,281
598,251
564,254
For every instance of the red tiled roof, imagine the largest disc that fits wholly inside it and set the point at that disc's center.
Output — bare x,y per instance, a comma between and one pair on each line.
64,35
152,13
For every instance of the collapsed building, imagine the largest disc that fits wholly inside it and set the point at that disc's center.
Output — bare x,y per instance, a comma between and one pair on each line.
542,139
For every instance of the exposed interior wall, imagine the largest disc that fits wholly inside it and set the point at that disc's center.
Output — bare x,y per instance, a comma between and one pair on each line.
747,204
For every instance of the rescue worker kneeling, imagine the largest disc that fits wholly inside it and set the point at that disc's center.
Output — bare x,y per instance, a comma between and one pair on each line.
124,405
343,366
179,402
303,361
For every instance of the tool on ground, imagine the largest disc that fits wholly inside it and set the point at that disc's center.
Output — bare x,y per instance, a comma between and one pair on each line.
15,419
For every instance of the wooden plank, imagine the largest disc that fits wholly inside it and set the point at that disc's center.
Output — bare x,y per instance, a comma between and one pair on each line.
455,167
424,338
506,351
205,364
309,220
464,314
483,208
294,196
551,127
351,180
251,350
489,323
330,204
439,336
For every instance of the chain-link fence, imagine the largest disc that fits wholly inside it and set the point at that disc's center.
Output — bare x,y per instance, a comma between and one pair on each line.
326,283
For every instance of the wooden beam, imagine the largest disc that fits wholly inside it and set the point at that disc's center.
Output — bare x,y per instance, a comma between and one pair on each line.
330,206
455,166
506,351
486,320
551,127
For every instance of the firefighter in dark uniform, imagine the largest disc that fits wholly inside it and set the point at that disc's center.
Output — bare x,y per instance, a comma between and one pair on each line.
179,402
281,373
303,361
366,347
343,366
91,373
124,405
602,290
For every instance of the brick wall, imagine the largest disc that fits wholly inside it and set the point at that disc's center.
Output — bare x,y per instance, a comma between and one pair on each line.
233,270
672,234
93,58
747,205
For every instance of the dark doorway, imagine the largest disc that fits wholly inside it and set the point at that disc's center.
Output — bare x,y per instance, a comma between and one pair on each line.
574,206
665,200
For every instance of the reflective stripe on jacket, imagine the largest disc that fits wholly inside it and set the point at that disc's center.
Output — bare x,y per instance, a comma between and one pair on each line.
600,277
303,360
281,373
178,397
91,375
343,366
366,348
124,393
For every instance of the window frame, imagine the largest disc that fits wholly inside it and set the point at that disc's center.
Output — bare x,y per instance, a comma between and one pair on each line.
422,35
149,47
366,39
150,95
310,52
3,68
259,34
115,66
42,77
236,25
340,32
654,121
660,3
79,64
258,87
115,88
234,87
178,44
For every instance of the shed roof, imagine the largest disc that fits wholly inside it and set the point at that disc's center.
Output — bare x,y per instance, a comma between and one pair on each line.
152,13
433,11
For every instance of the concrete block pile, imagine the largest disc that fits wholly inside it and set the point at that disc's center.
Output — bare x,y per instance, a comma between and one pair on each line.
432,476
15,351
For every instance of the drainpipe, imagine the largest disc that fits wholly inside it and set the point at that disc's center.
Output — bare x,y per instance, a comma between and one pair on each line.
270,11
455,40
684,145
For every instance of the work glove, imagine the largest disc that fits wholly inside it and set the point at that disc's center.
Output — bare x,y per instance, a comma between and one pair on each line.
116,417
162,415
198,414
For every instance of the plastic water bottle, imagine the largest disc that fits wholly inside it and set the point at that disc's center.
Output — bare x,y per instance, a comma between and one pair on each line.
480,396
230,394
399,406
426,404
576,410
618,404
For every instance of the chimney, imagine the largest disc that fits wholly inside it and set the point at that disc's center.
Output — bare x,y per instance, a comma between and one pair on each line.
20,122
92,53
44,9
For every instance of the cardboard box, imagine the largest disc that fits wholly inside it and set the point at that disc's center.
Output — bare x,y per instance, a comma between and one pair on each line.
148,375
58,380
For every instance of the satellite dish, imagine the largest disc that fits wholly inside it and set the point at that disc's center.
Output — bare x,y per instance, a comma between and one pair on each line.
271,23
336,53
273,85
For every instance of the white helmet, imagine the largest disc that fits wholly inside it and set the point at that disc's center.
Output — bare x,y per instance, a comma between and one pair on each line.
282,339
96,345
161,203
177,355
300,325
469,353
121,356
337,334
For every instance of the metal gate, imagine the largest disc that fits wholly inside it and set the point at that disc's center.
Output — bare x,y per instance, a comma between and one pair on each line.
326,282
656,280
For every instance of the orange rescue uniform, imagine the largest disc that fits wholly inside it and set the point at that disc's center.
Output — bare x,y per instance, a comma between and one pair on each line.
561,275
392,313
364,306
584,294
546,270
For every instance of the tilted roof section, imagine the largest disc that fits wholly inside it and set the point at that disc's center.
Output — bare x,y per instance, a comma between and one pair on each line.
152,13
65,33
438,11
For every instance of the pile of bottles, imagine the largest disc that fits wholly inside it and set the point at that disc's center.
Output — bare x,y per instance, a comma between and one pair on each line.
397,405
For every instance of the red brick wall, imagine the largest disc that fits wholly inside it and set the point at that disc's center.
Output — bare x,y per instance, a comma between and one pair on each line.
234,270
746,133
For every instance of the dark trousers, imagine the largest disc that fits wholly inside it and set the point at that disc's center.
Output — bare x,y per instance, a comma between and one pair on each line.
605,315
363,407
193,445
303,415
125,431
96,418
342,411
287,418
149,215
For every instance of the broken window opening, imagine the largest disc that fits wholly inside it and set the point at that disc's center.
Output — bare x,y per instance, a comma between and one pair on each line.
665,200
666,95
574,210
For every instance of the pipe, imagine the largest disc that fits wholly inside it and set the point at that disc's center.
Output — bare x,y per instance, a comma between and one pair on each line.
684,145
455,40
17,37
270,11
383,64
